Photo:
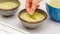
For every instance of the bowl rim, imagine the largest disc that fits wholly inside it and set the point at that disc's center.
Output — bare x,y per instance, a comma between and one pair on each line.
12,8
32,22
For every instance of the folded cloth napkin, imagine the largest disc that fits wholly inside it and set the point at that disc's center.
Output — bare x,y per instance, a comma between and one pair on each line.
8,29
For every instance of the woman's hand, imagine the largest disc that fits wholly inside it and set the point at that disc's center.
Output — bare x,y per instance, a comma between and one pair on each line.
31,5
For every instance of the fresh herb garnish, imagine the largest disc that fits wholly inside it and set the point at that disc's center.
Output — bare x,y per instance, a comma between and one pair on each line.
33,16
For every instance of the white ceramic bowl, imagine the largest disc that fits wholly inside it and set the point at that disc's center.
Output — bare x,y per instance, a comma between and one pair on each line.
32,24
10,12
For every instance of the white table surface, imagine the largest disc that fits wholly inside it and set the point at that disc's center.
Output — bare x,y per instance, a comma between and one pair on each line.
47,27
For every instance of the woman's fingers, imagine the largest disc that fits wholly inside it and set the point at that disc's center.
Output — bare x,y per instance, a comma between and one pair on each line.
35,5
33,9
28,5
31,5
36,1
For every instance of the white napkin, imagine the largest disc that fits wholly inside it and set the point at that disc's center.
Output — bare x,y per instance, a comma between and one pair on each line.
8,29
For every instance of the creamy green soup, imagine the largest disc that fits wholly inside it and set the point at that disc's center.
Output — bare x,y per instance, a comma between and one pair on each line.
54,3
32,18
8,5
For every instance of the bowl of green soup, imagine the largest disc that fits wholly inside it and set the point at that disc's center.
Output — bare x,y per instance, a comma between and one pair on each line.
53,9
9,8
32,21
